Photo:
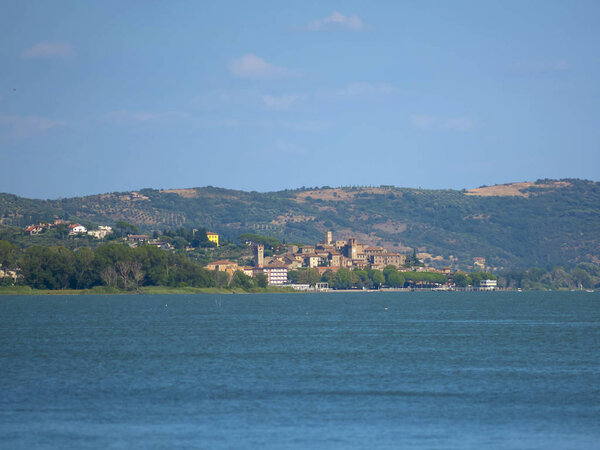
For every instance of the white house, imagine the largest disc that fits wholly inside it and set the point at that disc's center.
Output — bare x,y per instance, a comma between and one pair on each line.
76,228
101,232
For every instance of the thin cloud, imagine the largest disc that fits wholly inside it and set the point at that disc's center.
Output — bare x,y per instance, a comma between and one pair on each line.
49,50
252,66
428,122
152,118
278,149
368,90
279,102
423,121
218,99
312,126
360,91
302,126
337,21
557,65
145,116
25,126
459,124
289,148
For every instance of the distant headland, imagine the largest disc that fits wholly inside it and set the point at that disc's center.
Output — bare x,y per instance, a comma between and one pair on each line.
543,234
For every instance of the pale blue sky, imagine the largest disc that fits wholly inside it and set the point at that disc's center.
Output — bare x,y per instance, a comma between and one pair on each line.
117,95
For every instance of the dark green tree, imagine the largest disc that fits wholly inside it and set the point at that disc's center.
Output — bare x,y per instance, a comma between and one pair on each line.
377,278
293,276
123,228
343,279
8,254
261,280
241,280
462,279
86,272
48,267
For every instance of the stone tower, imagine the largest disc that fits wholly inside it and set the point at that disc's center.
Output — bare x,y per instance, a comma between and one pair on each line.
259,255
328,238
352,248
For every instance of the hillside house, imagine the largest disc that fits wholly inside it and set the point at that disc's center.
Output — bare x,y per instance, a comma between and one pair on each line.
101,232
7,273
213,237
34,229
139,238
76,228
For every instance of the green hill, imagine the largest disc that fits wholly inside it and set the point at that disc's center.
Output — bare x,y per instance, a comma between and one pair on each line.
515,225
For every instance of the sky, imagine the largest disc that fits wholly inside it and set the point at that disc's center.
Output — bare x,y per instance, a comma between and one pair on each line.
111,96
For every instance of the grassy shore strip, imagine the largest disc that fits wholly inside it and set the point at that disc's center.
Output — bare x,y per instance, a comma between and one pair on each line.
156,290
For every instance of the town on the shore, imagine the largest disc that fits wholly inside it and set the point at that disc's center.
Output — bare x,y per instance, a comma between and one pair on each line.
331,264
325,259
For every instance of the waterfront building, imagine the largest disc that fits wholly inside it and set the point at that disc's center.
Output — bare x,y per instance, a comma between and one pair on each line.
488,285
276,275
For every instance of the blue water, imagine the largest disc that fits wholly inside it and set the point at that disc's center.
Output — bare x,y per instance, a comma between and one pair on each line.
356,370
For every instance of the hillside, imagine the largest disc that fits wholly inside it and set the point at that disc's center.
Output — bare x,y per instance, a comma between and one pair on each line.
514,225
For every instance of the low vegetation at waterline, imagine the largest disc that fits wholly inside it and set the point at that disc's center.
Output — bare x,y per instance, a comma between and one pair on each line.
114,266
105,290
391,277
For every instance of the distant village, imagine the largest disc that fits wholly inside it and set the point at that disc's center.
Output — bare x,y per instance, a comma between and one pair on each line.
328,255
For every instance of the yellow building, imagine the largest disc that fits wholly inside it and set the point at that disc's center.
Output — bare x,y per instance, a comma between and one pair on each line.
213,237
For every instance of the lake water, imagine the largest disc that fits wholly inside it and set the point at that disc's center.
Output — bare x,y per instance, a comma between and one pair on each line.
340,370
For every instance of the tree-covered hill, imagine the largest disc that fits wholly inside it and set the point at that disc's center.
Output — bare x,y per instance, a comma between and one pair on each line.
515,225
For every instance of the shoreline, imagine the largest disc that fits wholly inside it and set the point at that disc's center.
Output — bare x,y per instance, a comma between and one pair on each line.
147,290
165,290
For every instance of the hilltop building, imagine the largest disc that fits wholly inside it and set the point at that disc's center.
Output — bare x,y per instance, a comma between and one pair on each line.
213,237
